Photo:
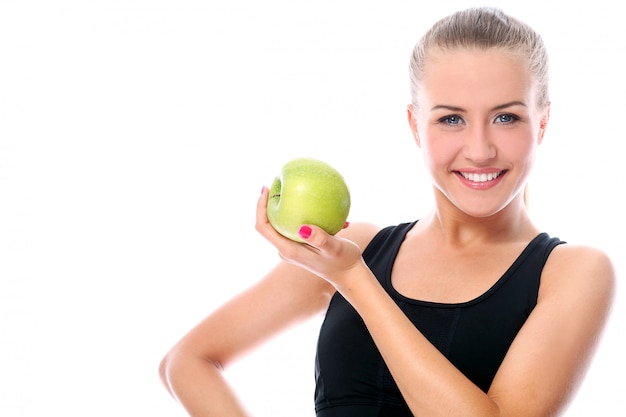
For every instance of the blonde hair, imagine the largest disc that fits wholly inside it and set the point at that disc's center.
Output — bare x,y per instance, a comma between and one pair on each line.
482,28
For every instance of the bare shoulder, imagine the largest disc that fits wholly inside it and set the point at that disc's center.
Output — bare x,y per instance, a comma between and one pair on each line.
579,268
550,354
360,233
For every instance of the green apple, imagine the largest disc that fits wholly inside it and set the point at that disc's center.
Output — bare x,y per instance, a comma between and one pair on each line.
308,191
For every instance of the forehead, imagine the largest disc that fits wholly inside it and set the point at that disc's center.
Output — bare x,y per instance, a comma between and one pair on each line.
466,77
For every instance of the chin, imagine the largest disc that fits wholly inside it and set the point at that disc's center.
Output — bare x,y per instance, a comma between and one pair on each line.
487,209
481,208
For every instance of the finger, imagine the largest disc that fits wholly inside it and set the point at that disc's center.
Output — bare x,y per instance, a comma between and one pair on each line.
316,237
263,225
265,228
261,207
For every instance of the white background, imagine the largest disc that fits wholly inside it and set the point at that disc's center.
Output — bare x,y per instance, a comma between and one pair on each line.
135,137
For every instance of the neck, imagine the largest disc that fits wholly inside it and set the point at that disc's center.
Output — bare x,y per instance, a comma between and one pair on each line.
458,228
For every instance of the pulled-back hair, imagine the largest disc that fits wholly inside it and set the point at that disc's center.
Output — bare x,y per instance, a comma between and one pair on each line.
482,28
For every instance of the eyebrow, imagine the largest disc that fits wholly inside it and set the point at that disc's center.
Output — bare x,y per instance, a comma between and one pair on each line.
461,109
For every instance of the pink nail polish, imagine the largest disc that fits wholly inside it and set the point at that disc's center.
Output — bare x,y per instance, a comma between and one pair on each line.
305,232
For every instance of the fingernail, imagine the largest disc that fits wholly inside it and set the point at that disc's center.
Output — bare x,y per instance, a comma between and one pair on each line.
305,232
262,190
346,224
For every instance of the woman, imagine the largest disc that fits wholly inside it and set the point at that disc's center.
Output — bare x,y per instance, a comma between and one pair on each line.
470,311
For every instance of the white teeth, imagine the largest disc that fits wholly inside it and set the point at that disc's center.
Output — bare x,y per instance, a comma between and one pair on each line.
474,177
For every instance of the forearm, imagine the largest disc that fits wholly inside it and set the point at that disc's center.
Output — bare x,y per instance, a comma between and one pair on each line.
430,384
200,387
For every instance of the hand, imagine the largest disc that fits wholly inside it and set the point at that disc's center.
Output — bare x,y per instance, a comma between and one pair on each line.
329,257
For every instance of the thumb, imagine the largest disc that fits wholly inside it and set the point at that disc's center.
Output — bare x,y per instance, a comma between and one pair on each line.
315,236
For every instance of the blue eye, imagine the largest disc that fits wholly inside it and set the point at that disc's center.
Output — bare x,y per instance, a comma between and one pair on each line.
451,120
506,118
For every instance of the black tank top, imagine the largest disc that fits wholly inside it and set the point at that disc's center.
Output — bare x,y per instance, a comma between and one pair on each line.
352,379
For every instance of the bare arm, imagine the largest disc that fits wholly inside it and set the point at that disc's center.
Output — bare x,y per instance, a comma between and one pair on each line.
287,295
549,358
192,369
543,366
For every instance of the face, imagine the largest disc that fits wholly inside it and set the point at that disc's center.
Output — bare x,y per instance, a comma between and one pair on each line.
478,124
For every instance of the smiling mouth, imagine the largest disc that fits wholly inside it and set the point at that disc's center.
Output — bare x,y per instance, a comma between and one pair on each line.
481,177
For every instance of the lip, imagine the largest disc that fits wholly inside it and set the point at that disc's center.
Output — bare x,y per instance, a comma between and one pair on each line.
481,185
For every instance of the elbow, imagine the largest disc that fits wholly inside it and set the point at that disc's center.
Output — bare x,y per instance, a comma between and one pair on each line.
179,366
165,370
172,368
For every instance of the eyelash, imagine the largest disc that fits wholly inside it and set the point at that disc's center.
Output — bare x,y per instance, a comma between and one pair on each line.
447,119
512,118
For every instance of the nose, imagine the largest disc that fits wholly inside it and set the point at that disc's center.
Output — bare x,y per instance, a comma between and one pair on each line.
478,146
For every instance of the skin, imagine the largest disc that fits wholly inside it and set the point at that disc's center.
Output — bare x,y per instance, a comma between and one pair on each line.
477,112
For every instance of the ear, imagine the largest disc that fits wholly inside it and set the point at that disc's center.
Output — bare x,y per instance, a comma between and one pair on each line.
413,124
543,123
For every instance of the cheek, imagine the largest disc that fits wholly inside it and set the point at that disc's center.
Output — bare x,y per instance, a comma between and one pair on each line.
519,153
521,147
439,150
433,153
